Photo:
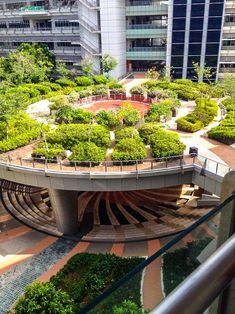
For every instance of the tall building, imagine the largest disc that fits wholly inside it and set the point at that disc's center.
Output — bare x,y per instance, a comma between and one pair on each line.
140,34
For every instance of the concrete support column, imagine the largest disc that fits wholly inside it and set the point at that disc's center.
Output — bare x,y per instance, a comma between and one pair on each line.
65,206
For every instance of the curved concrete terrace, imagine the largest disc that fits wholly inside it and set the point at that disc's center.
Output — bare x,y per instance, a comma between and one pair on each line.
116,176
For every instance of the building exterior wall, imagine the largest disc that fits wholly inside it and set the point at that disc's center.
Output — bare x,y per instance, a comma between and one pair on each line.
140,34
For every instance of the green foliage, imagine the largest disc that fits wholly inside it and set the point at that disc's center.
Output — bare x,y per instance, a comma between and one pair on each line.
87,66
68,135
124,133
154,92
128,307
58,102
86,276
225,132
108,119
147,130
31,63
204,113
179,264
100,79
129,149
53,86
108,63
118,91
138,90
128,114
83,81
44,298
156,110
17,131
87,151
64,82
166,144
68,114
100,90
61,69
49,151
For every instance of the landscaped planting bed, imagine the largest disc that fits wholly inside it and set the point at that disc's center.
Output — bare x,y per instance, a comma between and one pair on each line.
82,279
204,113
225,132
179,264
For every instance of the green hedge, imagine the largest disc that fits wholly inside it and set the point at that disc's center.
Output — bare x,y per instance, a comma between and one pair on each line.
69,135
129,149
204,113
84,81
21,129
156,110
49,151
87,151
166,144
100,79
68,114
124,133
108,119
65,82
147,130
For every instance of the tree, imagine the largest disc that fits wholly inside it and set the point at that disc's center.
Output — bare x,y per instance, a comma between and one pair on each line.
7,109
202,72
87,65
61,69
109,63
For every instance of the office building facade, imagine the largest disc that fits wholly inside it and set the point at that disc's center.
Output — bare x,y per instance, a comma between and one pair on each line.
140,34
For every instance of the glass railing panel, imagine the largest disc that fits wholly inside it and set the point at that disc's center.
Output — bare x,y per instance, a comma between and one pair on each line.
152,280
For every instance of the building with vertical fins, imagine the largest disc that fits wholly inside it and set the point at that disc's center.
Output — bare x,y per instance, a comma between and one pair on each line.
140,34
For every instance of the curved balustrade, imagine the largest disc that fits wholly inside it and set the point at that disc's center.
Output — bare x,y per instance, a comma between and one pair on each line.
128,166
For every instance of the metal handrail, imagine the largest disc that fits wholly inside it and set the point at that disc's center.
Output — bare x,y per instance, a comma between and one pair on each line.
123,166
152,258
202,287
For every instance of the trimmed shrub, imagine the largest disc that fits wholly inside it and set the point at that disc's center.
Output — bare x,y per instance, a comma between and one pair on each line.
49,151
118,91
127,133
166,144
65,82
100,79
68,114
53,86
85,93
128,114
156,110
138,90
114,84
100,90
204,113
58,102
108,119
147,130
68,135
84,81
154,92
43,298
129,149
87,151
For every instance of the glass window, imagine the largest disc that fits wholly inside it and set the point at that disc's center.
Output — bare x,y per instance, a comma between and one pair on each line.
197,10
195,36
178,37
179,24
196,23
194,49
179,11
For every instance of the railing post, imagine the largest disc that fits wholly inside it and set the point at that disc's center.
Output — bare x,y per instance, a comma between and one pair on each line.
21,163
136,165
166,162
105,166
75,166
217,166
151,164
90,165
61,168
33,163
121,165
46,163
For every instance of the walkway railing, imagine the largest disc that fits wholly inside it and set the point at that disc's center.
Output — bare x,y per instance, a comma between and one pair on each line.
127,166
161,266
